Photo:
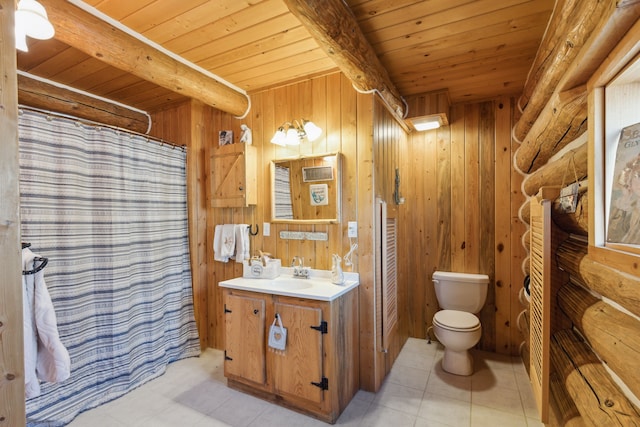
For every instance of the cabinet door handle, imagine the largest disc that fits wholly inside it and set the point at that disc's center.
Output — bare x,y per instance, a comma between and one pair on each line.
240,188
256,311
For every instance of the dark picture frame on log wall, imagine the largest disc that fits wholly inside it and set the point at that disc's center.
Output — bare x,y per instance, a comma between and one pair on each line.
624,211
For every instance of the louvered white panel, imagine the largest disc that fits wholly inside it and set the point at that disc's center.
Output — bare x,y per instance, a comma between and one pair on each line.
539,306
390,281
389,295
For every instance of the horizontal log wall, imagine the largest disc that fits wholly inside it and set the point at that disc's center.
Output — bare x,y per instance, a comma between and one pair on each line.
42,95
597,397
620,287
581,34
572,166
568,414
562,121
613,335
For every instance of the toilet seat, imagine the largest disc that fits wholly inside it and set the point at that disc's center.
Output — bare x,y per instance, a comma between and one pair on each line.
455,320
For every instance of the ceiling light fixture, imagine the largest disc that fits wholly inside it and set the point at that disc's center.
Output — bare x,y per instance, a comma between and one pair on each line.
292,133
432,121
31,20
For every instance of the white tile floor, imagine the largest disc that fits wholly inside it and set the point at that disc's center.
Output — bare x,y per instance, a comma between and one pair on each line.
417,392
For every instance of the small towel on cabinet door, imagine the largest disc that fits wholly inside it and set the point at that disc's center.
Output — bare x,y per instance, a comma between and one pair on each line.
242,242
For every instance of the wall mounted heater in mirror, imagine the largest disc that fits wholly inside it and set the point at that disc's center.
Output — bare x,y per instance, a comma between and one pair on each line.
306,189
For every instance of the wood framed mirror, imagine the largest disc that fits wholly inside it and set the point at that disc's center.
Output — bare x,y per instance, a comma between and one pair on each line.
306,190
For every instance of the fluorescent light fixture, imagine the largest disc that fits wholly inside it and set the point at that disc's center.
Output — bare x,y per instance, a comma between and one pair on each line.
422,126
424,123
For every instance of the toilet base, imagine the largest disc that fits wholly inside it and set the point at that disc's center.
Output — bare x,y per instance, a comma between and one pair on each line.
457,362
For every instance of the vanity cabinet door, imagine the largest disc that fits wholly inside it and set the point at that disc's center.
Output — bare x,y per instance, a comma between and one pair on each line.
244,337
300,364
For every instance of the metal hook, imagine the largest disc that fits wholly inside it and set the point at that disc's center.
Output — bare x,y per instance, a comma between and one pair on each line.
251,230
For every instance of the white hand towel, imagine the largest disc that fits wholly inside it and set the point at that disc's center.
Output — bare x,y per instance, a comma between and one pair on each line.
217,248
228,241
242,242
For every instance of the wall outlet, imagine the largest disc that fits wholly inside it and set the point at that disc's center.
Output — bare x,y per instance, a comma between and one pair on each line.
352,229
266,229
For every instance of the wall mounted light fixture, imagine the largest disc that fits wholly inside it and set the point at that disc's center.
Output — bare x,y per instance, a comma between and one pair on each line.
31,20
292,133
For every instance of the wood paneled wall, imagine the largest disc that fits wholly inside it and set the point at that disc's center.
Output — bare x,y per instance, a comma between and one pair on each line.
460,210
186,124
346,118
460,214
389,138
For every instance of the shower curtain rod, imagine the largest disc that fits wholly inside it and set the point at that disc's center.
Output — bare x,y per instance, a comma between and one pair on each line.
148,138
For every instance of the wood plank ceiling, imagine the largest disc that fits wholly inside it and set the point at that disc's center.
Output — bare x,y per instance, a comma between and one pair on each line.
477,49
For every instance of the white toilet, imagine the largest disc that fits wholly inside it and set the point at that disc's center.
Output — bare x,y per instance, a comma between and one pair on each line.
460,296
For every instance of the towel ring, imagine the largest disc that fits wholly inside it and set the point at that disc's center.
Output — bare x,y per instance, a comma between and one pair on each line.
251,230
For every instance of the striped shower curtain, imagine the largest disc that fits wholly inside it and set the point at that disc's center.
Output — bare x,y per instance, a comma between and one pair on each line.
109,210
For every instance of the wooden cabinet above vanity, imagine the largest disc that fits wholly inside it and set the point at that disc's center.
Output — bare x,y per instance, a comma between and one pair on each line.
234,176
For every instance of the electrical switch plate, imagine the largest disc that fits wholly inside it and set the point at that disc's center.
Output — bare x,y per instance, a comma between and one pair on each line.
266,229
352,229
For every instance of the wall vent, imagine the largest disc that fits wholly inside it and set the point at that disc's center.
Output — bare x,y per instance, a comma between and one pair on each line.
317,173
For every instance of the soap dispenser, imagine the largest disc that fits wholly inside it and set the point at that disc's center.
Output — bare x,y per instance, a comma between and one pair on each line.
337,277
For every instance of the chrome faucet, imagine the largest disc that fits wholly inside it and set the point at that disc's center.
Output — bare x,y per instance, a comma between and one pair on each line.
299,270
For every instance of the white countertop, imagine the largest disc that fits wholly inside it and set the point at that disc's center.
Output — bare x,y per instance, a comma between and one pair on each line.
318,286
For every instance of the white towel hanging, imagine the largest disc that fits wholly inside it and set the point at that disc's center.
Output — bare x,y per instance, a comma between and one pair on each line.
242,242
46,358
217,248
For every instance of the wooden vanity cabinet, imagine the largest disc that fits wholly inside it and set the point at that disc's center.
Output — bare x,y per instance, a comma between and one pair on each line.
317,372
234,171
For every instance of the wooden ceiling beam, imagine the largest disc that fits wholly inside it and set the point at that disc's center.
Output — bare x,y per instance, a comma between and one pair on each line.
338,33
43,95
91,35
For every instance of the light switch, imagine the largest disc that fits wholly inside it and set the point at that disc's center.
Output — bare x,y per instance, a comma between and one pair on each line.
266,229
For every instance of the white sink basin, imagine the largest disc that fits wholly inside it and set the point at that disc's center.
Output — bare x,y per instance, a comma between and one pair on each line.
291,284
318,286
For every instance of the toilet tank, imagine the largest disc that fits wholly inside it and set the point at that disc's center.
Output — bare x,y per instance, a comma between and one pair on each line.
460,291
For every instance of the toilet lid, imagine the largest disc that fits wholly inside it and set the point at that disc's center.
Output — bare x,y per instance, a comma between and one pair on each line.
458,320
